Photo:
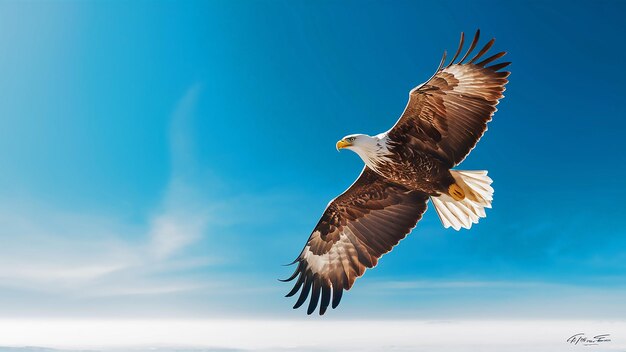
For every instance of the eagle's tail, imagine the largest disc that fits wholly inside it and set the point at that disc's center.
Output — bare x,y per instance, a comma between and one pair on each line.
463,207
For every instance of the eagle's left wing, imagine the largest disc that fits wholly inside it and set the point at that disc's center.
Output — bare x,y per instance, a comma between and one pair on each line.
448,114
357,228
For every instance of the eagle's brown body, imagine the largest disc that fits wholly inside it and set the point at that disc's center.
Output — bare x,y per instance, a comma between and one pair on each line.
405,166
417,171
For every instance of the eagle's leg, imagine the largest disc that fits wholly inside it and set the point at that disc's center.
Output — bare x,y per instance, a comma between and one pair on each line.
456,192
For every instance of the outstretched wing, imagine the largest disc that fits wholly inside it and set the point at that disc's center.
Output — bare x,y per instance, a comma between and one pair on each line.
356,229
448,114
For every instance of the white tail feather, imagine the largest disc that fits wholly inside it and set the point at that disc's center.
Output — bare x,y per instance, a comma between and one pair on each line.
464,213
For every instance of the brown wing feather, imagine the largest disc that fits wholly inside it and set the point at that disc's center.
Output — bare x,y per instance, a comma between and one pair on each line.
448,114
356,229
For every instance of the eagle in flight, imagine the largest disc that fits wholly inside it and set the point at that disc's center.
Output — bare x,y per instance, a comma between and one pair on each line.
404,168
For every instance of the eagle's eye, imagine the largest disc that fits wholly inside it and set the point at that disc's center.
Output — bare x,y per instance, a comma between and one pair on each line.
351,139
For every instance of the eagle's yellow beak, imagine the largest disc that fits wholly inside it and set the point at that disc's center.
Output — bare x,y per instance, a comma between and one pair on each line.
342,144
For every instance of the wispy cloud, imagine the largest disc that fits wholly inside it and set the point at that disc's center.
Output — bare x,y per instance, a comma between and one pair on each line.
175,230
183,216
50,250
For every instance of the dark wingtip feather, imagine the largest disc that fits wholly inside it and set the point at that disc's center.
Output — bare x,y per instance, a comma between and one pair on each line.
292,263
499,66
315,295
293,276
325,298
305,290
337,292
472,46
443,61
458,51
483,50
296,286
491,59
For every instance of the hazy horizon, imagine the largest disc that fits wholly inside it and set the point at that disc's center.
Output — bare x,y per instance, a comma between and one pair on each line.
306,335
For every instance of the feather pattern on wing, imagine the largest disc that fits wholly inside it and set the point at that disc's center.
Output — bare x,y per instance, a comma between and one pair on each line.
356,229
448,114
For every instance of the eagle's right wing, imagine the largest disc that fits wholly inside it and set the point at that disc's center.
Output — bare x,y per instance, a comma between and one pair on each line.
357,228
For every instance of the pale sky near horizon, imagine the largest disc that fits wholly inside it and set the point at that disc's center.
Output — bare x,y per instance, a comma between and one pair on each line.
164,159
231,335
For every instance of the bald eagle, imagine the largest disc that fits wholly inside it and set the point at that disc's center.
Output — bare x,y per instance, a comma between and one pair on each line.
404,168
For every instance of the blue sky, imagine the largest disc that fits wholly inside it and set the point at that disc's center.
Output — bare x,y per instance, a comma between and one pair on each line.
165,158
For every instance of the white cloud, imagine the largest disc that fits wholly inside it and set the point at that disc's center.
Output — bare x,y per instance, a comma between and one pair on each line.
52,272
46,249
171,232
182,221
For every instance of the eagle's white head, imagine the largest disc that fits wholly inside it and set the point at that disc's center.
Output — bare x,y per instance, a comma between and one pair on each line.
372,149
